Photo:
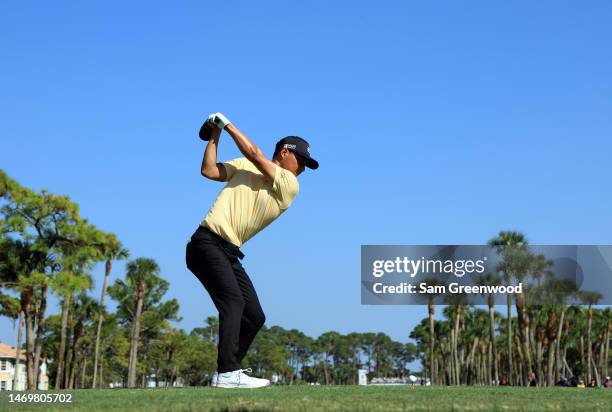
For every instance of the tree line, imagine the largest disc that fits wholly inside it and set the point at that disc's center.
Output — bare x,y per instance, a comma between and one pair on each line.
47,247
546,341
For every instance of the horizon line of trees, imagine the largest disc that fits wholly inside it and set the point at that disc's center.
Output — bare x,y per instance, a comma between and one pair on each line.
47,247
547,340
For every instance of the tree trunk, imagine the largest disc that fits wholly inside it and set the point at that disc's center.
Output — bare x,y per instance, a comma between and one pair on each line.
527,346
566,365
532,345
71,371
552,329
489,365
78,332
601,355
31,377
59,376
523,323
100,320
72,374
539,356
597,379
470,362
449,366
522,378
456,346
437,372
40,331
135,335
83,371
492,339
518,368
27,297
605,371
101,382
431,310
558,345
18,351
452,357
582,356
589,344
509,337
485,360
68,356
551,358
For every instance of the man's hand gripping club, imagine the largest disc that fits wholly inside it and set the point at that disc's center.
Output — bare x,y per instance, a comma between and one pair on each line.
211,131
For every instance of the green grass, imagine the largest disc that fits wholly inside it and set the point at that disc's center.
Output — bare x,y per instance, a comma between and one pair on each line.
339,398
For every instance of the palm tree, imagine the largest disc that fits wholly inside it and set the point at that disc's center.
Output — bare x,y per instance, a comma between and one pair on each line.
354,341
17,262
506,243
539,268
491,280
82,314
431,310
66,284
600,324
564,289
475,333
326,343
457,302
589,298
607,315
113,250
555,294
10,308
12,262
140,274
574,329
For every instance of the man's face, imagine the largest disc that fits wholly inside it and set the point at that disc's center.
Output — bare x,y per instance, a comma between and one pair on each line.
292,162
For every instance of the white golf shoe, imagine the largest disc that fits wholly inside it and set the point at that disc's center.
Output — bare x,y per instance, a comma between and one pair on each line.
238,379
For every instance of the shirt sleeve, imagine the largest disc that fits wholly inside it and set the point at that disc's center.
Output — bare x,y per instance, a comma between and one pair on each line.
232,166
285,186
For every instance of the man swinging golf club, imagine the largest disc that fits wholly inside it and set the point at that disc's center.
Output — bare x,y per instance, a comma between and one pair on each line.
258,190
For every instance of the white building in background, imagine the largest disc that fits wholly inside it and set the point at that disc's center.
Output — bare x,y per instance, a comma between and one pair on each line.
363,377
8,356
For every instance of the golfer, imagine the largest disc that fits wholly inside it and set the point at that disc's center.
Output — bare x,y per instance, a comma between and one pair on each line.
258,190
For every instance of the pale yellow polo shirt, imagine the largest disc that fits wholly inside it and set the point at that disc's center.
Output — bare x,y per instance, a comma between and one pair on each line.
249,203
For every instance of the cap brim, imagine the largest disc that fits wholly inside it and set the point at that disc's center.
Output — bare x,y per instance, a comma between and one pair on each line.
309,162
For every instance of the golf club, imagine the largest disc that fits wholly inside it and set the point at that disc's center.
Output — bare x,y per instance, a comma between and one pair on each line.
206,130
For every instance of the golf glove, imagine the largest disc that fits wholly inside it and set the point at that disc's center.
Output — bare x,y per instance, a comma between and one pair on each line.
219,120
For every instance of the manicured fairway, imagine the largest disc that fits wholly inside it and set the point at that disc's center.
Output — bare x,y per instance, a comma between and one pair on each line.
340,398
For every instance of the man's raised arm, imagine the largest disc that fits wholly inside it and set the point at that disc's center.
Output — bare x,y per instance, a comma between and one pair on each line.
210,168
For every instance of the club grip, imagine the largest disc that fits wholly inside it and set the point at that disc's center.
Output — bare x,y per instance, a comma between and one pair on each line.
207,130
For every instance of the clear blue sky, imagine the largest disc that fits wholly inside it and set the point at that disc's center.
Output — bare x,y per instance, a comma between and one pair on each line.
434,123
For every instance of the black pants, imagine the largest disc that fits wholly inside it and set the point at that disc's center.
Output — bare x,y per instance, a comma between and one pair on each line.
216,263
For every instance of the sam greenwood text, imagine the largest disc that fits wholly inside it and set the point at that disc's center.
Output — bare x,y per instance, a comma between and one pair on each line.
423,288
